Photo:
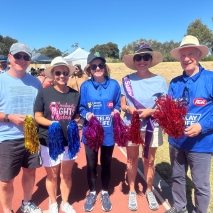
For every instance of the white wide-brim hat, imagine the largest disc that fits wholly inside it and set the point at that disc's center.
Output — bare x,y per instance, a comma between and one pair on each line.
190,41
58,61
140,49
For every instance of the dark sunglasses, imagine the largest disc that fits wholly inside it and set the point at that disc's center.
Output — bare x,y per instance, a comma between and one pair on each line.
19,56
144,57
41,69
94,66
58,73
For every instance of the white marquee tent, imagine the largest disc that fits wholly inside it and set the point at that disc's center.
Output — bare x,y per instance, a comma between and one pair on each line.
79,56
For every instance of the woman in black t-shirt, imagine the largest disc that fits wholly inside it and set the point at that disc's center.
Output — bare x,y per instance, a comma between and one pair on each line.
57,103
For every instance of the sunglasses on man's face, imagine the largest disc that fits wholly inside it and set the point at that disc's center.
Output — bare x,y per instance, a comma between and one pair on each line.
58,73
94,66
41,70
140,57
18,56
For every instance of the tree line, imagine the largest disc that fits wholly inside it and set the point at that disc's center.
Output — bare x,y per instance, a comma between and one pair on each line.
110,49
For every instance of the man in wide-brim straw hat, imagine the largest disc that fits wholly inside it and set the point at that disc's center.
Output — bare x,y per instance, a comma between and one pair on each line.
195,148
139,91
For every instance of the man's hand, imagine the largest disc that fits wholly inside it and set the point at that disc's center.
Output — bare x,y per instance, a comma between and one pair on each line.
17,119
193,130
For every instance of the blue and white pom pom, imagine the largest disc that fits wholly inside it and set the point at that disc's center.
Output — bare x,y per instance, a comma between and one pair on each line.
56,141
73,139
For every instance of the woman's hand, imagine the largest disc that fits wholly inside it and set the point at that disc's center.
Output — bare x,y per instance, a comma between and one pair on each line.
89,115
114,111
144,113
130,109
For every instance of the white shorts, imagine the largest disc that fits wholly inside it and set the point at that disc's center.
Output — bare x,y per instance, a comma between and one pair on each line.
48,162
157,138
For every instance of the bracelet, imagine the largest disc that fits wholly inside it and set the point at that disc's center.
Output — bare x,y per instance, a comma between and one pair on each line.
127,109
80,127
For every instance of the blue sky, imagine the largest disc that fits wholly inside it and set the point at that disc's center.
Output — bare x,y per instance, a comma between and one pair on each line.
61,23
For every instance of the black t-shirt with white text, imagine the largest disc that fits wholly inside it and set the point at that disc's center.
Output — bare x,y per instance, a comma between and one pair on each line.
56,106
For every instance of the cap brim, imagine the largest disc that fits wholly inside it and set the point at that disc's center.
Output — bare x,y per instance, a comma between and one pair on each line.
48,70
156,59
88,62
204,50
14,52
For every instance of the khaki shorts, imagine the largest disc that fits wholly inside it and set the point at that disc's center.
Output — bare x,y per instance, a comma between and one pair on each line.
157,138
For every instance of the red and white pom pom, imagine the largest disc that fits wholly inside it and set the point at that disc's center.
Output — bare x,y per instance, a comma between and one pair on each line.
170,115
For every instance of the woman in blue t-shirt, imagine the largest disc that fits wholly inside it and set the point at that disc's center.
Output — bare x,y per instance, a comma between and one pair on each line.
139,91
100,97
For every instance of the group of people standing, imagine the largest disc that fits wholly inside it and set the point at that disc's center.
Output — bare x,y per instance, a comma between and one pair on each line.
72,95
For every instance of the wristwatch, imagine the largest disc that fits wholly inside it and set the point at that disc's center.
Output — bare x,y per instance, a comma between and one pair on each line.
6,119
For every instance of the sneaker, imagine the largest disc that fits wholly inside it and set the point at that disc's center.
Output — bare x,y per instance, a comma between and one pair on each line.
174,210
67,208
30,207
132,203
89,204
106,204
153,204
53,208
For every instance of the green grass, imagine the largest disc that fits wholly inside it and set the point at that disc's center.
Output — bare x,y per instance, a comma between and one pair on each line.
163,168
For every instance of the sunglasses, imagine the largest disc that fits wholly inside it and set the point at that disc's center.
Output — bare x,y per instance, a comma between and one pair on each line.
19,56
94,66
41,69
58,73
144,57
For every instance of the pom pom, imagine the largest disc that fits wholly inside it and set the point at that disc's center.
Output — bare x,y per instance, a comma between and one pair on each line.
73,139
94,134
32,143
56,140
121,131
170,115
135,129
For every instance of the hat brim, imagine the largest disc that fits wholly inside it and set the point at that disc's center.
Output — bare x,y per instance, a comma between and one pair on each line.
204,50
48,70
20,51
129,62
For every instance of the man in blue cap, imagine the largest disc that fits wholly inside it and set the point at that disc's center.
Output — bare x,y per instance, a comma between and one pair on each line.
3,64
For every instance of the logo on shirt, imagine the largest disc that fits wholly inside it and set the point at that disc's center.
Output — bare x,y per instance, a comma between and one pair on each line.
192,118
89,104
61,111
94,105
199,102
110,104
105,120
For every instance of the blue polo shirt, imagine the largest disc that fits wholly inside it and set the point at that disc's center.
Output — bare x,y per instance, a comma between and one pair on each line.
101,99
198,90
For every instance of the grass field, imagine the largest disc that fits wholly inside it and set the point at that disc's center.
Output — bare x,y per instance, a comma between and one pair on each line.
168,70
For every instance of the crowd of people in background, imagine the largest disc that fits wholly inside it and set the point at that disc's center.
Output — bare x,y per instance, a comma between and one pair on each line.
60,93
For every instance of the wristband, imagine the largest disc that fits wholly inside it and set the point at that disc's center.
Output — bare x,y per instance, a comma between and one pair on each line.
80,127
127,109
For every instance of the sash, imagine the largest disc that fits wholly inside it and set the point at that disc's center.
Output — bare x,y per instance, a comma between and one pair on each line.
149,127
